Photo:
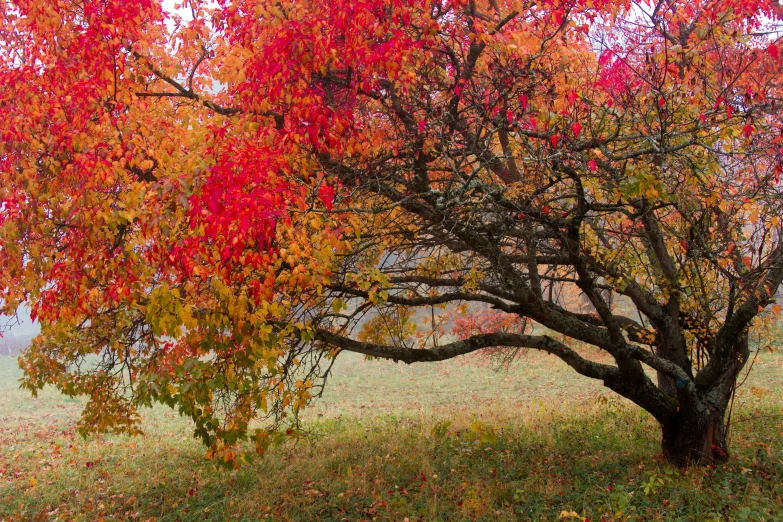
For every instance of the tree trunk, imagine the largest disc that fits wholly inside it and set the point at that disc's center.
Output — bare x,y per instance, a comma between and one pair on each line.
697,432
692,437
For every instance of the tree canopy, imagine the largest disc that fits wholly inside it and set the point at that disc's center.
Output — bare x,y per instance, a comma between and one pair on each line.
205,211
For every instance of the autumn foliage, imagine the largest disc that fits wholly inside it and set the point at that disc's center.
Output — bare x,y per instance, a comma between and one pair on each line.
204,211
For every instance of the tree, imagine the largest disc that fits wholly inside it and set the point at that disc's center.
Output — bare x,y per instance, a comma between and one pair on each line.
206,212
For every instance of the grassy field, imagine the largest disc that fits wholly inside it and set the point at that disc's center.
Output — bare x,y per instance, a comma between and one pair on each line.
447,441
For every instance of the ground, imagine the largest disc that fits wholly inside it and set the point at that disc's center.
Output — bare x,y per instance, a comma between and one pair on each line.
448,441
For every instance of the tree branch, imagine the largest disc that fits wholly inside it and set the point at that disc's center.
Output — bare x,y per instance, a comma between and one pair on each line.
477,342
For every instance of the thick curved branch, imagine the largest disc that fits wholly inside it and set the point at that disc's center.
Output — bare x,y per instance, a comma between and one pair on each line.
471,344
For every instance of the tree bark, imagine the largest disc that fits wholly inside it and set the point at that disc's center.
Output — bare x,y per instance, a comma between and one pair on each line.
696,436
697,432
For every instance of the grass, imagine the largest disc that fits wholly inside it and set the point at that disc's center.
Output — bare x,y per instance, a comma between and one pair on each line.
447,441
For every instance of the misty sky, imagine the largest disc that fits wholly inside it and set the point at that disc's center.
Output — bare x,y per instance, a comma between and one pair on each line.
22,326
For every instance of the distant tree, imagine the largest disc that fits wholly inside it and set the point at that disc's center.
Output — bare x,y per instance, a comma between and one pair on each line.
13,344
206,213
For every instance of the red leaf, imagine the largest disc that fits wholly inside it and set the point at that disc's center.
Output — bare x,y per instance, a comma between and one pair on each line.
576,128
773,51
661,101
592,165
554,139
747,130
326,195
510,117
422,124
703,118
523,101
